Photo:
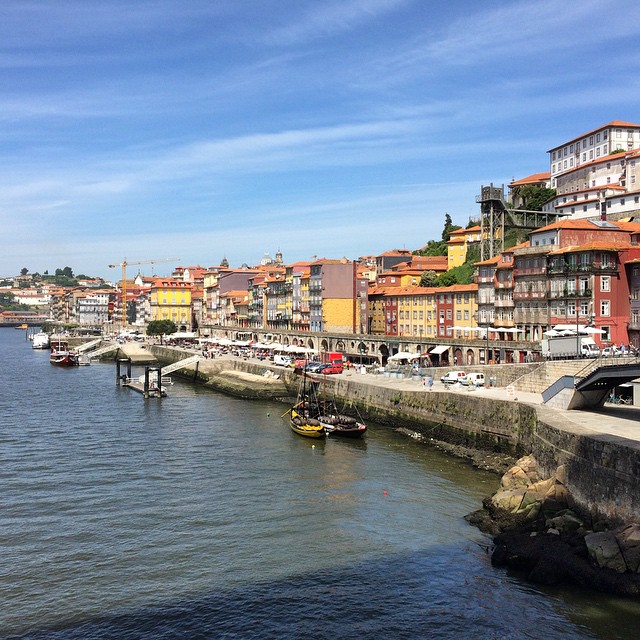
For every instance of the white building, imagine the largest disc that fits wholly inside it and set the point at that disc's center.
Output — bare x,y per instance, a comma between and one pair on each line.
597,173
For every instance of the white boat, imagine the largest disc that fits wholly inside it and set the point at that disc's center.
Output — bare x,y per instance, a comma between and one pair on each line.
40,340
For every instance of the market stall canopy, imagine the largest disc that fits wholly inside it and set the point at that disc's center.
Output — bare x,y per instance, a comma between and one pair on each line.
404,355
440,349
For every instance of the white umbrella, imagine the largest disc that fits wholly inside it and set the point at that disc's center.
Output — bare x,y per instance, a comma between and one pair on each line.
591,330
551,333
404,355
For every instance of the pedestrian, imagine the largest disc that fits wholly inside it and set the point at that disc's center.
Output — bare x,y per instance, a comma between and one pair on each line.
430,383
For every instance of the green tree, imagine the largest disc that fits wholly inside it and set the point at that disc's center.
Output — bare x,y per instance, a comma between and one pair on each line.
67,272
428,278
24,271
6,298
161,328
448,228
534,197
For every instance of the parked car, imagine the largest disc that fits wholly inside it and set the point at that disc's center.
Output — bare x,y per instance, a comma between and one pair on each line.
329,368
451,377
314,367
474,379
284,361
608,352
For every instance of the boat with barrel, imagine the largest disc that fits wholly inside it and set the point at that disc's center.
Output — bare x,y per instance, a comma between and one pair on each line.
62,355
337,424
303,414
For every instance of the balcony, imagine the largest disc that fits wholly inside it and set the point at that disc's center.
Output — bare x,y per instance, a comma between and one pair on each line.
529,295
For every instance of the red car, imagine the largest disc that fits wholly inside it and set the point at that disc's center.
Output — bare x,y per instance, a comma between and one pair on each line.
329,368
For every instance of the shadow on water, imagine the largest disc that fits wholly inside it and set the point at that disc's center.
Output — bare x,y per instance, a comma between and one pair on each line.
405,596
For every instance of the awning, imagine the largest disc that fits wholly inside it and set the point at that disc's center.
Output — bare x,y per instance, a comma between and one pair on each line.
404,355
441,348
570,327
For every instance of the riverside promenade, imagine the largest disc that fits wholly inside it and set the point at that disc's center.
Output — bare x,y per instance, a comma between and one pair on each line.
610,422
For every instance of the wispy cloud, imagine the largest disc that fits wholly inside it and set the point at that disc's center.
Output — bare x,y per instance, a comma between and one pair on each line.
330,18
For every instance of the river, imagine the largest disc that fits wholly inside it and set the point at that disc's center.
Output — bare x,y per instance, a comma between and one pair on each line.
204,516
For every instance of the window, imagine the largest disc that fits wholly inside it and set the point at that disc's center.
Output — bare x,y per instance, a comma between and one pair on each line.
605,308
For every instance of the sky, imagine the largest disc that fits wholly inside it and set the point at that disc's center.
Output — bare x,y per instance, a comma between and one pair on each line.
190,131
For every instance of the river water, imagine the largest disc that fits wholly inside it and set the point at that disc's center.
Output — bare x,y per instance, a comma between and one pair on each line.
204,516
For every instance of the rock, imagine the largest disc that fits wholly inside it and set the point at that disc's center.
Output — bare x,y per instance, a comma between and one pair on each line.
514,477
565,522
604,551
509,499
561,474
628,540
530,466
523,474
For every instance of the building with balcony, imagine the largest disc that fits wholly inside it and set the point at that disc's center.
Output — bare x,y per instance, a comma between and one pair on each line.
597,174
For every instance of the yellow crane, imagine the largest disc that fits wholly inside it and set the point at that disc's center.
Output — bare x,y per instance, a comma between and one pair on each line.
123,287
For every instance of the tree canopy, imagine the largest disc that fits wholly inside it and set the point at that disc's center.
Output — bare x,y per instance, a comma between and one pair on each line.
533,197
161,327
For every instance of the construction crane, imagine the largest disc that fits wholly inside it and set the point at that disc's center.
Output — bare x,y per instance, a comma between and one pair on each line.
123,288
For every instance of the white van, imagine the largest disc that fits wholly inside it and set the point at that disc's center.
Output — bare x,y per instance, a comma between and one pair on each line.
474,379
284,361
451,377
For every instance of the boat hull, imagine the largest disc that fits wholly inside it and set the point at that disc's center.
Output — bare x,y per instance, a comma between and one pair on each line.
346,431
64,360
306,427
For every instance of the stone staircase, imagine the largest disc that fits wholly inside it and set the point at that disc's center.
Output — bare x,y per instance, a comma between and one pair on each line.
547,373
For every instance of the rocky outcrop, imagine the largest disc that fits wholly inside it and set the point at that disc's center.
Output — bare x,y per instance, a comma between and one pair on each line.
538,530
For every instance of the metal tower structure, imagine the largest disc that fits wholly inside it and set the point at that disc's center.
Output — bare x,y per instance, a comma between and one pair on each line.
496,216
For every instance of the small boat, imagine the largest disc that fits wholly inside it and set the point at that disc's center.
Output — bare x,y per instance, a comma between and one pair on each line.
304,425
40,340
301,416
62,356
24,325
344,426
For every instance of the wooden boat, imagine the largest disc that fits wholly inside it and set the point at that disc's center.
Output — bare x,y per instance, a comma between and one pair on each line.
304,425
343,426
62,356
302,416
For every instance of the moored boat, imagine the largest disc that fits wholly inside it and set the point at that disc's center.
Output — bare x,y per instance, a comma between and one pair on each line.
40,340
304,425
302,418
344,426
62,356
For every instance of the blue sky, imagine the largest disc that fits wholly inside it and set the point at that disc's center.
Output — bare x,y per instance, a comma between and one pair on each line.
204,129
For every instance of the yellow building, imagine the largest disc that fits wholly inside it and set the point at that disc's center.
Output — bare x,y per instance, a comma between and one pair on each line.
458,245
171,300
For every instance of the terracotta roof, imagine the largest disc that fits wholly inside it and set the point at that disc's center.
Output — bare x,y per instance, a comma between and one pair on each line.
573,223
613,123
468,230
489,262
532,179
593,246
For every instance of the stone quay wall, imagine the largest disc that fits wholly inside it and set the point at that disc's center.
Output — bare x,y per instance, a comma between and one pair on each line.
603,473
